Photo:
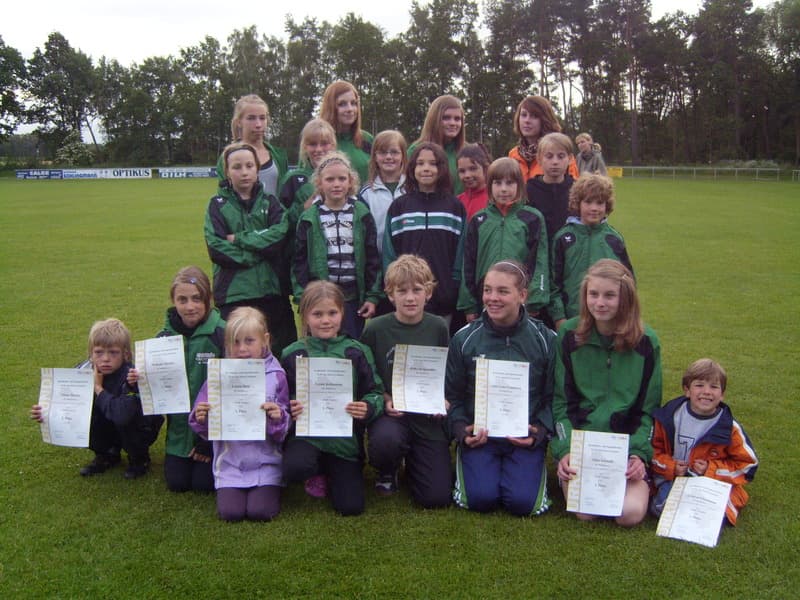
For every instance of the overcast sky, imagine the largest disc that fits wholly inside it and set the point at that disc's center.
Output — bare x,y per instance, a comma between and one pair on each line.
133,31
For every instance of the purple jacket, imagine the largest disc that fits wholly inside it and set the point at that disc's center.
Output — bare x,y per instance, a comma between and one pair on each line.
250,464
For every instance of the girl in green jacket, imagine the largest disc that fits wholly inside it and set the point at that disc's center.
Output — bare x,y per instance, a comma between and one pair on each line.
608,378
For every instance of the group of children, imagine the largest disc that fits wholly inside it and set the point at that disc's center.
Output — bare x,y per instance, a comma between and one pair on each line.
520,252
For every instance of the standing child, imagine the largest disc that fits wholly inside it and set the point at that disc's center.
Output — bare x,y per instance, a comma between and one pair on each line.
444,125
608,378
429,221
491,471
696,435
585,239
387,167
250,124
187,466
506,229
590,159
336,458
247,474
117,422
341,107
473,164
336,240
419,439
549,192
245,231
534,119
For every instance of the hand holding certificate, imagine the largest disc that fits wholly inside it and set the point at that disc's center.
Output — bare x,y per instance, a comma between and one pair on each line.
65,406
600,461
163,385
501,398
236,391
325,393
418,379
694,510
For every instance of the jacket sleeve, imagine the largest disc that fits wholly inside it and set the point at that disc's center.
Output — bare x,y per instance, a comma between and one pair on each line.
563,386
373,279
277,430
266,242
220,250
200,429
738,465
543,415
389,251
557,260
459,258
468,293
455,384
121,407
538,264
573,168
301,268
369,388
663,464
640,442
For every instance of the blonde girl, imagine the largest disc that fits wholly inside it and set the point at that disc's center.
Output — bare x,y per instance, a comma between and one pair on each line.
444,125
341,107
608,337
250,124
247,474
337,459
336,240
387,166
533,119
506,229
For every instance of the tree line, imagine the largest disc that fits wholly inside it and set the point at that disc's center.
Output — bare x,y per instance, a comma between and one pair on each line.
721,84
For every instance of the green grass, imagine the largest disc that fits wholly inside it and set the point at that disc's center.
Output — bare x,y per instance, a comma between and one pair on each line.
717,266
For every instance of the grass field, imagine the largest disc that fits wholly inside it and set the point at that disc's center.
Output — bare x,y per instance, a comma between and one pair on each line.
719,272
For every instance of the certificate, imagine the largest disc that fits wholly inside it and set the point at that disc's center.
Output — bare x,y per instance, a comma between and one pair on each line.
601,460
66,397
694,510
237,387
418,379
501,397
163,386
324,388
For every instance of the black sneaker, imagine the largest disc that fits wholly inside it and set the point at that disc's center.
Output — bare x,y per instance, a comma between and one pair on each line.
136,469
386,485
100,464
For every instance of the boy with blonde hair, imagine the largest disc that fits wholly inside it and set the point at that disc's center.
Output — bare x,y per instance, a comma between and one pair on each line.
549,192
420,439
117,420
696,435
586,238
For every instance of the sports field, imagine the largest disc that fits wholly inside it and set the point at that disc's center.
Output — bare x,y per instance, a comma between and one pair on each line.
718,266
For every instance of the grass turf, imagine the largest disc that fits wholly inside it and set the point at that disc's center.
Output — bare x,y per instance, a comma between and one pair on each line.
717,266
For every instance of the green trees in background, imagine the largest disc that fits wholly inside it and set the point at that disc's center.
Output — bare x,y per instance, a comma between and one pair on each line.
721,84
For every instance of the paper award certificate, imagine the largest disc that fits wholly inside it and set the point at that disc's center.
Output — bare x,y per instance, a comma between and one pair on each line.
694,510
163,386
66,397
501,397
237,388
324,388
418,379
601,460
